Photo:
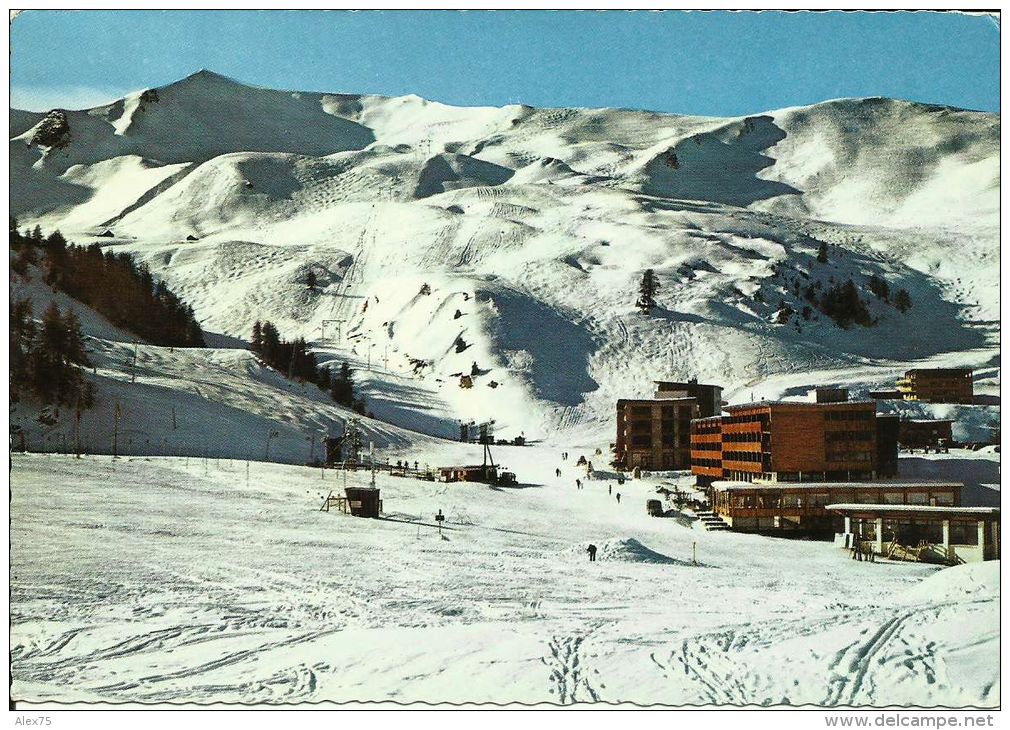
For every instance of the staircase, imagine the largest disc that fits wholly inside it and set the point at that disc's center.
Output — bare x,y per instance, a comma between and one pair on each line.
711,521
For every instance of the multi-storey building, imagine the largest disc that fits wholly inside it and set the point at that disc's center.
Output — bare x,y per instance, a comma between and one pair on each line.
794,442
655,434
709,397
938,385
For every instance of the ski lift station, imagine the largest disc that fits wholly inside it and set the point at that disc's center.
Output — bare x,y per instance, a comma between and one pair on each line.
358,502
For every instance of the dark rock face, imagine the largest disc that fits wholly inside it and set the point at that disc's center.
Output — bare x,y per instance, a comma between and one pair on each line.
53,131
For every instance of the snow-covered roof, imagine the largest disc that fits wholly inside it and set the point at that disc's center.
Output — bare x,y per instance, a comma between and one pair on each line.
822,486
914,508
803,404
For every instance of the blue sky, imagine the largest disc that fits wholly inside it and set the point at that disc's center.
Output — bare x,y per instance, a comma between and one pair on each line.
714,63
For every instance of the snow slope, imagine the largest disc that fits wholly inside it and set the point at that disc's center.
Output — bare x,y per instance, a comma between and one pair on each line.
235,589
501,249
532,227
219,401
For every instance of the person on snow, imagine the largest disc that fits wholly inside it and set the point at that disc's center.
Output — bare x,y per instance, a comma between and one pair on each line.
557,473
610,489
618,497
592,553
578,484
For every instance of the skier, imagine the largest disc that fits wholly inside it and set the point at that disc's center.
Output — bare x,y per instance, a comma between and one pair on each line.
578,484
618,497
610,489
592,553
557,473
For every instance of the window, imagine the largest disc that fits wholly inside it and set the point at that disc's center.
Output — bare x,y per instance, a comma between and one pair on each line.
847,436
641,411
641,440
918,498
641,426
849,415
894,498
943,499
964,533
865,529
793,500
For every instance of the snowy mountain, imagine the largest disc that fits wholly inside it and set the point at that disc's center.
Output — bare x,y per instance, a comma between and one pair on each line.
531,228
475,264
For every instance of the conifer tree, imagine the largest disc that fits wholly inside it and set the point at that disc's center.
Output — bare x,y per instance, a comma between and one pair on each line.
257,336
902,301
647,291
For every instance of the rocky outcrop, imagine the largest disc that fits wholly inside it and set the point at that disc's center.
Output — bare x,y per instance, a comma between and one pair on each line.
53,131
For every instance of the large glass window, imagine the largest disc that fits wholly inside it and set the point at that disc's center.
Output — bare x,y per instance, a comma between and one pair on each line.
865,529
963,533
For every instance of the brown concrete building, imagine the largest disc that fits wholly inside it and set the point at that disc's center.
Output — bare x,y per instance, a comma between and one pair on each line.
709,397
781,441
805,507
886,394
654,434
830,395
938,385
920,433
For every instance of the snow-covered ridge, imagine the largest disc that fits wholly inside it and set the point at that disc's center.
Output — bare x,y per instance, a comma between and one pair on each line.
531,228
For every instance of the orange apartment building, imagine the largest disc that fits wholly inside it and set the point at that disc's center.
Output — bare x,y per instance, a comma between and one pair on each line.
938,385
778,441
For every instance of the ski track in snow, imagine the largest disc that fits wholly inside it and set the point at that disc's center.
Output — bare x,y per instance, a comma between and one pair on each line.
231,593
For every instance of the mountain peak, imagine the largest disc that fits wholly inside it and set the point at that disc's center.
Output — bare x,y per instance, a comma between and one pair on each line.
205,76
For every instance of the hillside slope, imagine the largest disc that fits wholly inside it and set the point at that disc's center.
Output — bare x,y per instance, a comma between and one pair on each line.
215,402
531,228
